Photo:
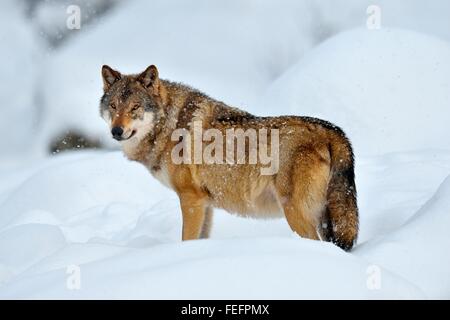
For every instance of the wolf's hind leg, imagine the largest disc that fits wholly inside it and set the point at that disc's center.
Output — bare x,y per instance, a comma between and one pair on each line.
302,192
301,223
325,226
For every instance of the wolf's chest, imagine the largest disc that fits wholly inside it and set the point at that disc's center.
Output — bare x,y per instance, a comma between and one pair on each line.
162,175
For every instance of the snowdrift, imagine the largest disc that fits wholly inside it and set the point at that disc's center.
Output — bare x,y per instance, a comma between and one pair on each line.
418,250
106,215
387,88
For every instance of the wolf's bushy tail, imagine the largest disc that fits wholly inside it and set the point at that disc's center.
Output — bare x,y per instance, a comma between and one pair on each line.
342,209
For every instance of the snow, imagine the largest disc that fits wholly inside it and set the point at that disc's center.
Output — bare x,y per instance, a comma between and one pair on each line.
244,48
246,54
387,88
19,51
417,249
383,80
123,228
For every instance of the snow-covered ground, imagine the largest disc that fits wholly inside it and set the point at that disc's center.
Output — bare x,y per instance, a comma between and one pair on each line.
106,215
95,215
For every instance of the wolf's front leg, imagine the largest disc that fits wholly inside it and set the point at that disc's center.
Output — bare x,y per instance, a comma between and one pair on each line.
207,223
193,208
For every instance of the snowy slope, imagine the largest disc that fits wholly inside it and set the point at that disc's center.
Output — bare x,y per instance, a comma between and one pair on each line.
388,88
20,50
233,50
122,228
418,250
212,47
129,226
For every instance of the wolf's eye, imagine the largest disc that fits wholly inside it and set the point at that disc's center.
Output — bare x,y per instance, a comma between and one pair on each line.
112,106
135,107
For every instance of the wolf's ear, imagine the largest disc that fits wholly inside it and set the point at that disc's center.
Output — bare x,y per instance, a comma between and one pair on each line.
110,76
149,78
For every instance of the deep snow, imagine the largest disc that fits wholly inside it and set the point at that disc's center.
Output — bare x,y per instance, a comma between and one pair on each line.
122,228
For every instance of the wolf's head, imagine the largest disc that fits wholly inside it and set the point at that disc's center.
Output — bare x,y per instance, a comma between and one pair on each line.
131,104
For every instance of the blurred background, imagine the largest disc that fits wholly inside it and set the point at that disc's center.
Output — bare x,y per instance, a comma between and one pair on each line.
234,50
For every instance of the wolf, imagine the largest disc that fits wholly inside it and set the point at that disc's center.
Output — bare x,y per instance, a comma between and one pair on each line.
313,187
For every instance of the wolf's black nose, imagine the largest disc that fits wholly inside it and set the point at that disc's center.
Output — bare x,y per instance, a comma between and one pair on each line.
117,133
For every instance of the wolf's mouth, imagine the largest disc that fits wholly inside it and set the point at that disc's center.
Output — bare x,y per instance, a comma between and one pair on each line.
132,134
129,137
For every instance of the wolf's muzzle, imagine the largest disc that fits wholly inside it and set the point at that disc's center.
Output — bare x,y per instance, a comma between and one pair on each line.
117,133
